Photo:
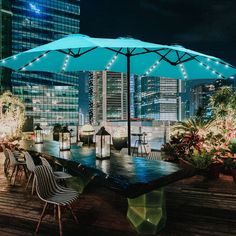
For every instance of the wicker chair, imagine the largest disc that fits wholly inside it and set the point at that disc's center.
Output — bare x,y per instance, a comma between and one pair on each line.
59,175
31,167
51,193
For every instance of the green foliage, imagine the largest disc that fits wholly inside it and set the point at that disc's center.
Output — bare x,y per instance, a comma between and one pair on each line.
232,145
202,159
202,141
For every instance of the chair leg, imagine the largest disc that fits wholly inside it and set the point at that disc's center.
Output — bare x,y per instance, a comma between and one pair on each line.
33,185
59,219
73,214
41,217
14,168
25,170
55,212
28,180
17,170
7,167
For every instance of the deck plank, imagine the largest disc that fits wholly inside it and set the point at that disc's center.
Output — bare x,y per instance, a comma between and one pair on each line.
195,206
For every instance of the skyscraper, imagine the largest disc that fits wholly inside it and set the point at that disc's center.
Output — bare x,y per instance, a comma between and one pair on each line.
109,96
5,42
159,98
35,23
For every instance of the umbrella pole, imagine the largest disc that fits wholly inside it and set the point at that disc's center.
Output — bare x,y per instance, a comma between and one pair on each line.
128,104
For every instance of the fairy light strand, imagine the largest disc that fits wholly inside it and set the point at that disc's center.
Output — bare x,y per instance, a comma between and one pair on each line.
183,71
35,60
211,69
112,61
66,62
152,68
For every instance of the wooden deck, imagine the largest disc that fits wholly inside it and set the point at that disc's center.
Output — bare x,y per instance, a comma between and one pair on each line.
195,206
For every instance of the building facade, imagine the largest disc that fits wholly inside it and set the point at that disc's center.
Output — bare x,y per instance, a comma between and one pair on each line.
200,94
50,105
5,42
35,23
159,98
109,96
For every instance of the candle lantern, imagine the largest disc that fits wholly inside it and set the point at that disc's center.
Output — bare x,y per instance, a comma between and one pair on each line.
103,144
87,133
38,134
64,139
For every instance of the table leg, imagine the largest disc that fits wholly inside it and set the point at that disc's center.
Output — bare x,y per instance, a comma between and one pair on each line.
147,213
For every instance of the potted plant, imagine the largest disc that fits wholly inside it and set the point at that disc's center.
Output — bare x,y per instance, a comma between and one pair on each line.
230,167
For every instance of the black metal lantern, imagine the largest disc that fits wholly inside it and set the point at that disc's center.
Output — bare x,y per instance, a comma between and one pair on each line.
38,134
103,144
64,139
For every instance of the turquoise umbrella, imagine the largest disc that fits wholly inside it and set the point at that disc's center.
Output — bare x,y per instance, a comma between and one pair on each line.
78,52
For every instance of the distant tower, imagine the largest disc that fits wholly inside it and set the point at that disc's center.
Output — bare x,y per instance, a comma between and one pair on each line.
109,91
5,42
159,98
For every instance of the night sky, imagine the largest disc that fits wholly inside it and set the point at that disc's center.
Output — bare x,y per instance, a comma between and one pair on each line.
208,26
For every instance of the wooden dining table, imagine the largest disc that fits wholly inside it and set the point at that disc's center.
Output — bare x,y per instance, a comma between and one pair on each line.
141,180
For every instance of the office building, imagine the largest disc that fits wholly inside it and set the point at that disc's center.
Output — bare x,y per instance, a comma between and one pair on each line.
200,94
159,98
109,96
5,42
35,23
50,105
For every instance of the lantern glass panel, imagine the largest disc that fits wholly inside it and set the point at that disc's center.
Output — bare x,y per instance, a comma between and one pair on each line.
103,143
38,132
64,139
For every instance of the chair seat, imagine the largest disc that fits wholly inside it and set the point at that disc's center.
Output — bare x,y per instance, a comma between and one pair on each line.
63,198
61,175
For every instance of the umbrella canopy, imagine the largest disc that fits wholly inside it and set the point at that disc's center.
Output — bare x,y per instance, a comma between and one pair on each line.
78,52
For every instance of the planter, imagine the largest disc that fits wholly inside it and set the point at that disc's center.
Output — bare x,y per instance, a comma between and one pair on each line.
213,170
233,173
185,164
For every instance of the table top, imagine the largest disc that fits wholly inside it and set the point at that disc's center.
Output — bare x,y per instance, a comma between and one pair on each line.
131,176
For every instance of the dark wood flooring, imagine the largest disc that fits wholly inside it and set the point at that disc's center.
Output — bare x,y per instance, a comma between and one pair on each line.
195,206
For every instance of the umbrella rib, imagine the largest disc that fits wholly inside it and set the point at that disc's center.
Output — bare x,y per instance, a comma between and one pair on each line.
189,59
71,53
216,72
117,51
32,61
163,57
147,51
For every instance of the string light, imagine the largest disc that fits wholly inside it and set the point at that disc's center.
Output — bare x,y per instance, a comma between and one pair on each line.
213,71
183,71
37,59
152,68
111,62
65,63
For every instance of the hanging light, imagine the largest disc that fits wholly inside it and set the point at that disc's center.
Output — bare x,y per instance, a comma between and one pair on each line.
38,132
103,144
64,139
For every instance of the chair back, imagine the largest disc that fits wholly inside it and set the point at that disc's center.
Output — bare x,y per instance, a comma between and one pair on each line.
3,147
5,151
46,163
12,158
29,162
45,182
